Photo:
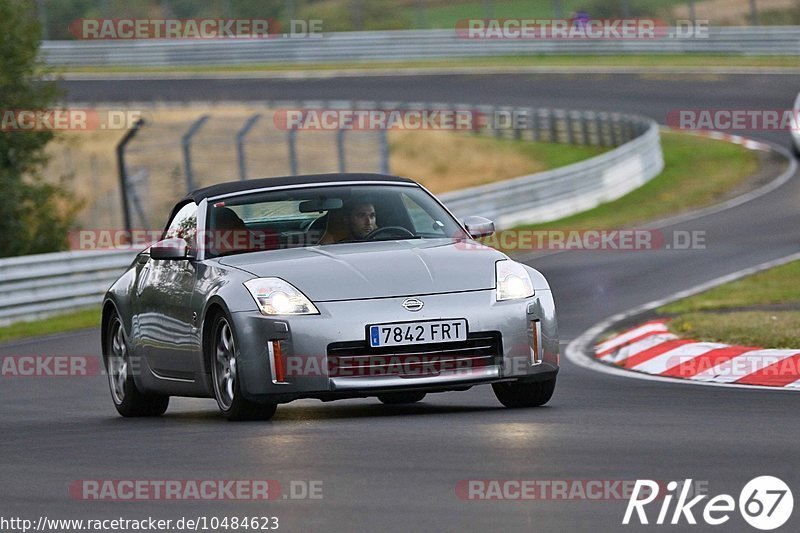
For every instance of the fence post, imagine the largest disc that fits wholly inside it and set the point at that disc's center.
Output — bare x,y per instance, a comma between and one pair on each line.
123,172
186,141
240,135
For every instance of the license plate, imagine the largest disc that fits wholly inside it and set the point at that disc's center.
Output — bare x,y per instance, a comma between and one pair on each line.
405,333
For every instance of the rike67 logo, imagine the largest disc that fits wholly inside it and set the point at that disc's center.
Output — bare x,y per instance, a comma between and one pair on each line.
765,503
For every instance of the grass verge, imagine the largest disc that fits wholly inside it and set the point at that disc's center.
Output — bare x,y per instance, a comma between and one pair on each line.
76,320
651,61
443,161
698,172
762,310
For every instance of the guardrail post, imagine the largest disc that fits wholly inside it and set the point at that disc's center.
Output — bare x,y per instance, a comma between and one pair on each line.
291,138
613,126
586,141
570,124
598,129
240,135
498,132
186,141
384,150
629,133
554,126
536,124
340,149
754,12
123,172
515,118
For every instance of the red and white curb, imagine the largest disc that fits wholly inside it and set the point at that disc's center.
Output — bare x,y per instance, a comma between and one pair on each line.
580,350
750,144
652,349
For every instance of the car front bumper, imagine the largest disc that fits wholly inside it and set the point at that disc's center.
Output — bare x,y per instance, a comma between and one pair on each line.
303,343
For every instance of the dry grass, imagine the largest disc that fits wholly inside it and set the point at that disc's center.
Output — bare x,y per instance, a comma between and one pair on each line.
155,156
733,12
443,161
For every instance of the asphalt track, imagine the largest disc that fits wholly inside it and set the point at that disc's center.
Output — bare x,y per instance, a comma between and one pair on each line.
396,469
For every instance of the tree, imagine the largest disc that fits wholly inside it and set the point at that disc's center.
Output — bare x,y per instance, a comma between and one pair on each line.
35,216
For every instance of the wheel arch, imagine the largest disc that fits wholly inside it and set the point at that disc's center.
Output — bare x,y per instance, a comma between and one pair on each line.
109,308
214,307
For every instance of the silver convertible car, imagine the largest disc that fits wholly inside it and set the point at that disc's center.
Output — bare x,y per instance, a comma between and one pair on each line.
324,286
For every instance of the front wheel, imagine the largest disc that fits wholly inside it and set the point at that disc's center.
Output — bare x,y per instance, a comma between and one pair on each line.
128,401
227,390
525,394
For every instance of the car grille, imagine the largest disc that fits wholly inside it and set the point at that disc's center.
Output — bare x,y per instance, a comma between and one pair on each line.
358,359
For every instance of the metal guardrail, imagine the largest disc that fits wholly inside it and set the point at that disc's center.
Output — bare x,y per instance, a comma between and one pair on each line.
36,286
402,45
563,191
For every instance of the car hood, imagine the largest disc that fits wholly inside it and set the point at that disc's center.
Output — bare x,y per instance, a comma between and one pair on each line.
355,271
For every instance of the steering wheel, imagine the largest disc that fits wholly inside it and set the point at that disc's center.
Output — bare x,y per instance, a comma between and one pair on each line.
386,229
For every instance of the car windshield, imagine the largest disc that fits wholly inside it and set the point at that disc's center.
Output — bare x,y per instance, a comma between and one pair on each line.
324,215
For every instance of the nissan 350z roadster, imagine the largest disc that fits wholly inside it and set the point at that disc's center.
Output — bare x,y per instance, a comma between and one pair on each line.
326,286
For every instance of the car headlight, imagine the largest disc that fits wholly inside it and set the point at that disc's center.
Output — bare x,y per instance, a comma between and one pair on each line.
513,281
275,296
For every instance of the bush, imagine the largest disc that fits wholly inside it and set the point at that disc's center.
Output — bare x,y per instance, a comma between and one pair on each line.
35,216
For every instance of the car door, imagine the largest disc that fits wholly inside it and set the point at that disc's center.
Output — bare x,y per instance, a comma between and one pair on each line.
165,289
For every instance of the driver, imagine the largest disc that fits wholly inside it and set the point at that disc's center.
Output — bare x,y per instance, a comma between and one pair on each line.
351,223
361,220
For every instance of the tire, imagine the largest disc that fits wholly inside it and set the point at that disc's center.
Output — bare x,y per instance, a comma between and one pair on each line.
400,398
127,398
223,355
520,394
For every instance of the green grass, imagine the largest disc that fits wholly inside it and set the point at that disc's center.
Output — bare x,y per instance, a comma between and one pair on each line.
76,320
445,16
697,172
759,329
779,285
553,155
740,312
571,61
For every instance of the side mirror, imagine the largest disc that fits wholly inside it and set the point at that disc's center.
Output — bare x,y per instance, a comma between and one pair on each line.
177,249
479,226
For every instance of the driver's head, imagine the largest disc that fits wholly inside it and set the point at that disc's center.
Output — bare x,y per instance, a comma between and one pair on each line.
361,219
